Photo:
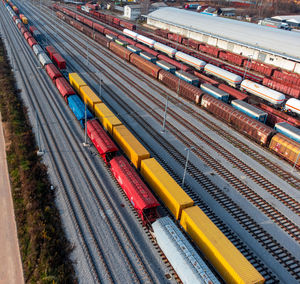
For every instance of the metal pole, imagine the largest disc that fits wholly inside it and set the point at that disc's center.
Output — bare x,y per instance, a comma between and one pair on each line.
186,164
165,115
247,65
179,80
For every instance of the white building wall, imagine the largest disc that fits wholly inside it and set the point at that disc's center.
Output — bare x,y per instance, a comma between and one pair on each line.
267,58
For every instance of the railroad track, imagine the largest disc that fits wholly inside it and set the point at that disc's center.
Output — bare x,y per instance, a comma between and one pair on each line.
86,168
246,191
275,249
292,180
286,176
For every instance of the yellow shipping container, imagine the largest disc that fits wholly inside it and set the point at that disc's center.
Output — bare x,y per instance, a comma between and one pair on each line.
134,150
165,187
106,117
24,20
220,252
76,82
89,97
286,148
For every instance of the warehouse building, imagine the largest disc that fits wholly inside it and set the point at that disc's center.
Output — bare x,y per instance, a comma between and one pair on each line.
269,45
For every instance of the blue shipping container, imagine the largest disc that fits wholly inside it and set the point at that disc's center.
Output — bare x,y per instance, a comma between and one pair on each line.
187,77
78,108
166,66
134,49
148,56
215,92
288,130
250,110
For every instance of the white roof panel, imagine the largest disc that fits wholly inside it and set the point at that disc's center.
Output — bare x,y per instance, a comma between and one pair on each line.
280,42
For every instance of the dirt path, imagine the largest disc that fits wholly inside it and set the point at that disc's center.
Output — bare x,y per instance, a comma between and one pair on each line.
10,261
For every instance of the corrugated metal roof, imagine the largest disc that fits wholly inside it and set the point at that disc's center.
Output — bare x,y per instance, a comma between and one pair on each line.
281,42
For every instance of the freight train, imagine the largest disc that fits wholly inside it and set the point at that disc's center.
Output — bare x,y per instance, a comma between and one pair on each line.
255,130
231,265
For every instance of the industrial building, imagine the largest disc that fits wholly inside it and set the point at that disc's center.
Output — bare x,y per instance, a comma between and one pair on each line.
272,46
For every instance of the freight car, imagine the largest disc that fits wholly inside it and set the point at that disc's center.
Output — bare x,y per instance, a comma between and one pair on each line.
165,49
286,148
252,128
221,253
148,56
288,130
215,92
104,145
166,66
250,110
187,263
134,49
78,108
190,60
263,92
191,79
232,79
44,59
59,61
53,72
172,195
137,192
37,49
292,105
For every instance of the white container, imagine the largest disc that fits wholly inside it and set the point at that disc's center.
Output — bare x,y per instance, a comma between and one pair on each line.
190,60
263,92
231,78
18,21
130,33
292,105
145,40
188,265
165,49
37,49
44,59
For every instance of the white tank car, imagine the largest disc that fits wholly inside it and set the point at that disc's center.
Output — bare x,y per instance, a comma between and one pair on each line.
292,105
263,92
190,60
164,48
145,40
231,78
130,33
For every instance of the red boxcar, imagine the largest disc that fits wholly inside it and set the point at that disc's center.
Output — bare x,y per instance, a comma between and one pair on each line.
31,41
32,29
99,28
127,25
233,92
104,145
205,79
64,88
287,77
53,72
116,21
240,72
27,35
191,43
207,59
147,49
88,22
232,57
289,90
177,64
110,32
128,40
212,50
145,65
51,50
137,192
259,67
23,30
59,60
80,18
77,25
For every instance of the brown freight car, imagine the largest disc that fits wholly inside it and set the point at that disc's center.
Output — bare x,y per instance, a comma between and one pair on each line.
119,50
104,41
286,148
183,88
258,131
145,65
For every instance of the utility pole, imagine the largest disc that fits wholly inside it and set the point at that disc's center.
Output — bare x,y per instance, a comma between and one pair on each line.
165,115
186,163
